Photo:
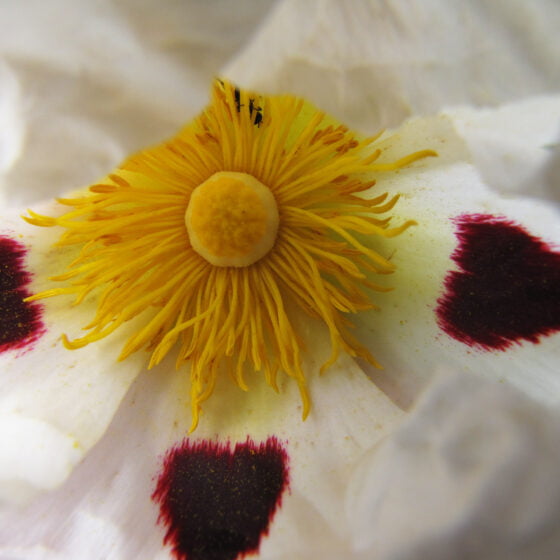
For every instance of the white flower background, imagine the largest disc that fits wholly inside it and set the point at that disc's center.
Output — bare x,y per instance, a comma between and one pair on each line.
452,453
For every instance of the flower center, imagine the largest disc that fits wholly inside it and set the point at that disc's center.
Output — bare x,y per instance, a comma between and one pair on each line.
232,219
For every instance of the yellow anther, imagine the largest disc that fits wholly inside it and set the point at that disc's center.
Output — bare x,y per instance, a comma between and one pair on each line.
295,226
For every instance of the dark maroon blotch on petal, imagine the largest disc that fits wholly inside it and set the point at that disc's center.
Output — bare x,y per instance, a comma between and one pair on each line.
507,289
20,322
217,503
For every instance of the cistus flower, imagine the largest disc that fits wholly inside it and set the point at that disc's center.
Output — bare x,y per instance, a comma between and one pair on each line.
95,451
262,205
476,288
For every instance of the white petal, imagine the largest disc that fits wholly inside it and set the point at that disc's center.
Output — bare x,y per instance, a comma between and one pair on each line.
404,335
49,392
28,444
10,117
473,468
373,63
101,79
513,146
106,503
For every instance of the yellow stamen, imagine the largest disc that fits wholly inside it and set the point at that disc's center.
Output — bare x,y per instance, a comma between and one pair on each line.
260,204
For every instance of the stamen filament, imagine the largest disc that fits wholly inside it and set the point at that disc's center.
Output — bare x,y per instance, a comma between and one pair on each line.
212,237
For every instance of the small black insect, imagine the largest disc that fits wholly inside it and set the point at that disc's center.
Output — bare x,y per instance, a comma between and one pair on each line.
257,110
254,110
237,97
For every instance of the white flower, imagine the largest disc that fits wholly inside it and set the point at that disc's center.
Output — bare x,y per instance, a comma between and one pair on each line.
91,433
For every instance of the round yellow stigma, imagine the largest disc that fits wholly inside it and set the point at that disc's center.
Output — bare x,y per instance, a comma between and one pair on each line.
232,219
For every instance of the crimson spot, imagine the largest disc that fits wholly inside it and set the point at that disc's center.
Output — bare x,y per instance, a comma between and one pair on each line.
217,503
507,289
20,322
